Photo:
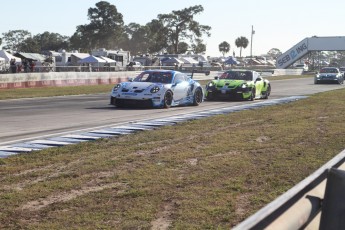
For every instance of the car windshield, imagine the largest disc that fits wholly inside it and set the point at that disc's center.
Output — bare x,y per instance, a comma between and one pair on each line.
237,75
328,70
157,77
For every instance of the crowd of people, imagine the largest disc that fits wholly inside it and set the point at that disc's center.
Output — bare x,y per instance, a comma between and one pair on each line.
25,66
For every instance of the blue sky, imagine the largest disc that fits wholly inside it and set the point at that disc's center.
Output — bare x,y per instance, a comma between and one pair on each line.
277,24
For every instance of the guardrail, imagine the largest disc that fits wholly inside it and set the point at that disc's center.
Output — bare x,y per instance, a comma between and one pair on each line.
317,202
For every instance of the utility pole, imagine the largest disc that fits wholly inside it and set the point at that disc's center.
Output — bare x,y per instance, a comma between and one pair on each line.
251,42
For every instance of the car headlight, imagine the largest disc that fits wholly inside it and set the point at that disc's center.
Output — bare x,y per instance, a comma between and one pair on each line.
210,84
116,87
155,89
243,86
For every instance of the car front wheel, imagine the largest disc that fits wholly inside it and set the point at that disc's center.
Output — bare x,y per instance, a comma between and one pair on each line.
168,98
198,96
268,92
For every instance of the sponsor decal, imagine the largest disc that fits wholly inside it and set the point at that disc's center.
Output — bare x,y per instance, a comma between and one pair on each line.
129,94
45,83
31,83
293,54
58,82
3,85
17,85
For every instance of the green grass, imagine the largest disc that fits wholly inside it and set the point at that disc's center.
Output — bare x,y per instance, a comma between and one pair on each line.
53,91
77,90
203,174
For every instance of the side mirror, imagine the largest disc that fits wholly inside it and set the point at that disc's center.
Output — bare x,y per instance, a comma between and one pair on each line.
258,79
130,79
216,77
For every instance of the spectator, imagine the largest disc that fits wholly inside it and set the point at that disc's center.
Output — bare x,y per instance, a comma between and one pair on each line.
19,68
13,65
32,65
26,65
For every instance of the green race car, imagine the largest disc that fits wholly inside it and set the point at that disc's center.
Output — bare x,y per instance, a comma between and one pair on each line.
238,85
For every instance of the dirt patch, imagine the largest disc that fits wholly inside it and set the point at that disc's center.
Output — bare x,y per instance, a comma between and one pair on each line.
153,151
192,161
53,171
262,139
163,220
242,205
63,197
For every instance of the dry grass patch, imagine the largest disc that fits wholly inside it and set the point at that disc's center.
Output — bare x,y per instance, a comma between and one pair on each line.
203,174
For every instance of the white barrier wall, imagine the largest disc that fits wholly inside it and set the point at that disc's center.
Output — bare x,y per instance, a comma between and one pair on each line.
27,80
278,72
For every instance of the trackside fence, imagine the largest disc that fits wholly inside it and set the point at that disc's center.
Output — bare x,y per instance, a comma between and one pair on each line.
317,202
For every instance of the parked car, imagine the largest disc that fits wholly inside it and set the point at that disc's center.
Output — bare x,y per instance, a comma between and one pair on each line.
304,67
134,65
342,70
158,89
238,84
329,75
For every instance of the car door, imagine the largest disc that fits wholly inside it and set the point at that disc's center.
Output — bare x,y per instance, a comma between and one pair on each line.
180,87
259,85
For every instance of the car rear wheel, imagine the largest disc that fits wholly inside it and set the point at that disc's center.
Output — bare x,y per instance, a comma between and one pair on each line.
198,95
168,98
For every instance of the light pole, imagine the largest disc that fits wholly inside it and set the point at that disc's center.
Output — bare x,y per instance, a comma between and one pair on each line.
251,41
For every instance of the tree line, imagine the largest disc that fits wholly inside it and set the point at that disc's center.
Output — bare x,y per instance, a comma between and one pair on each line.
175,32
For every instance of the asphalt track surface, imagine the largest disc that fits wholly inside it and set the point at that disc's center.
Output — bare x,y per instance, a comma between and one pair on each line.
29,119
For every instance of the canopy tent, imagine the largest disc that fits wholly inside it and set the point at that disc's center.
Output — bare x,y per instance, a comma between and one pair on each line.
172,61
31,56
231,61
92,60
108,60
189,60
7,56
2,64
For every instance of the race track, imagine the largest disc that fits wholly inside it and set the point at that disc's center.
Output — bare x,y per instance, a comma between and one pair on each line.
29,119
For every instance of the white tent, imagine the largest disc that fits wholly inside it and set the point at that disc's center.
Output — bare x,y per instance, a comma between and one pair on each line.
189,60
171,62
108,60
92,60
2,63
7,56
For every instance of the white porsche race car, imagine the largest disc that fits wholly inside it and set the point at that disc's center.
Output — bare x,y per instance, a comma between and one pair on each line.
158,89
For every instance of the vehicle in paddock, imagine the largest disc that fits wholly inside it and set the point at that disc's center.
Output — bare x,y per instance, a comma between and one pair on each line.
238,85
158,89
342,70
329,75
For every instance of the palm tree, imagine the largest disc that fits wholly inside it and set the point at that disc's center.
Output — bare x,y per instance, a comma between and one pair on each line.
224,47
241,42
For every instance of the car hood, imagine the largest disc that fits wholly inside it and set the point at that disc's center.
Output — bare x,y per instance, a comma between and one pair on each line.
138,85
230,83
